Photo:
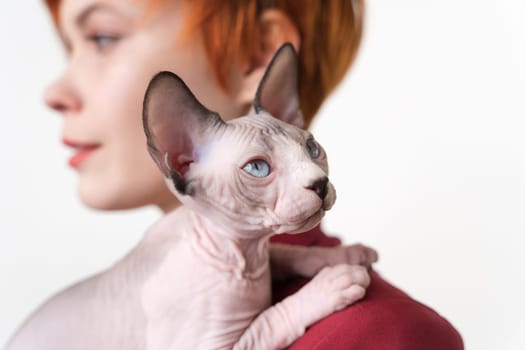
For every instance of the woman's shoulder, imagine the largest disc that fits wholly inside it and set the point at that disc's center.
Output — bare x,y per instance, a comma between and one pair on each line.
386,318
53,320
85,315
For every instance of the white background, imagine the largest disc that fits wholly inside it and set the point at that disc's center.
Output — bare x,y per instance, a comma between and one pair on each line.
427,152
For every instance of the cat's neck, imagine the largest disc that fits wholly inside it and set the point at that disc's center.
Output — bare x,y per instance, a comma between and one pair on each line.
245,258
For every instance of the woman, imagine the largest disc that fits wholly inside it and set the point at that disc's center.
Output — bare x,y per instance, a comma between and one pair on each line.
220,49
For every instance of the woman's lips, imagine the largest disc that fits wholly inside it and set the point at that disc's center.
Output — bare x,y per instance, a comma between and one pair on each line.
82,151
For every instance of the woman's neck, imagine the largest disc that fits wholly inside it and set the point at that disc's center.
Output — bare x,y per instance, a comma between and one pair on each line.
168,204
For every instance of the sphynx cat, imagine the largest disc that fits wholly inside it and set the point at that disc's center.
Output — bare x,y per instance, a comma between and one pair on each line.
200,278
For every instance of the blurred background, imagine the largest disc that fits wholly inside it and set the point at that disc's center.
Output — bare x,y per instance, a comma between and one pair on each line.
426,146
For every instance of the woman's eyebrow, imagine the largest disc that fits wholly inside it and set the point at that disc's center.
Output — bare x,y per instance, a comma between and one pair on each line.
83,16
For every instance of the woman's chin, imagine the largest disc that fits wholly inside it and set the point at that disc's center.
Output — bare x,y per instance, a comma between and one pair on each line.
103,201
108,195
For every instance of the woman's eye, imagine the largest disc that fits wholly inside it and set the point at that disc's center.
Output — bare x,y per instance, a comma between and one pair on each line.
313,148
257,168
103,42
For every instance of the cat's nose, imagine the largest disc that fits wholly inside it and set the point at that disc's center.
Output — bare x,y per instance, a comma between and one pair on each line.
320,187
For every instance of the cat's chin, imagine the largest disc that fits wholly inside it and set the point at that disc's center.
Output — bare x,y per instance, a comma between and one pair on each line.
305,225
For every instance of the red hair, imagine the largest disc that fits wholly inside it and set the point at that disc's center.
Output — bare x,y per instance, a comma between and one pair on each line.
330,34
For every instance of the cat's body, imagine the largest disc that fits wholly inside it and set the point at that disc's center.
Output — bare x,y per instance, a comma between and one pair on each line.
200,278
123,308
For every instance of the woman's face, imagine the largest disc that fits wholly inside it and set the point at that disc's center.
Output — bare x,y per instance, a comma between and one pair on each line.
113,51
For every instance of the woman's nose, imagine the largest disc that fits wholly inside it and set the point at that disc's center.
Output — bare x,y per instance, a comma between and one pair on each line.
61,96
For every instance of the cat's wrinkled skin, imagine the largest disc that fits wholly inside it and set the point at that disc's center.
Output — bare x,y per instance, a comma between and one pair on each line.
200,278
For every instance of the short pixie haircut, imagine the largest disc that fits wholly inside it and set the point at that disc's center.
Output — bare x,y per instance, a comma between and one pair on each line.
330,33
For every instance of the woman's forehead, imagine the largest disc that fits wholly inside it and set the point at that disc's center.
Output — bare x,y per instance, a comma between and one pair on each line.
78,11
77,15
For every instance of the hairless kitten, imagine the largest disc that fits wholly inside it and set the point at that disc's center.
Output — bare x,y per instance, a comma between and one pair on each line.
201,276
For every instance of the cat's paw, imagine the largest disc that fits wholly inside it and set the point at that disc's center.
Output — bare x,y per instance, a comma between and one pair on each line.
288,260
334,288
359,254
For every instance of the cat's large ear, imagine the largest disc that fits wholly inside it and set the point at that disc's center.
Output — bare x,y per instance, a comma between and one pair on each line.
176,124
277,93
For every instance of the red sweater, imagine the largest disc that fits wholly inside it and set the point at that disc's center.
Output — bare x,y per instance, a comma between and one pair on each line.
386,319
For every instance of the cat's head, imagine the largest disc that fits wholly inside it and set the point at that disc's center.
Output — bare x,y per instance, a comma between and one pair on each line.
258,173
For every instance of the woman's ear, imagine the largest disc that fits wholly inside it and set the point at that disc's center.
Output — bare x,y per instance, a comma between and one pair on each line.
276,29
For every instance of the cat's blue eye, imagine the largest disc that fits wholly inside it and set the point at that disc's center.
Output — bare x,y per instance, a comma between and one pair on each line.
257,168
313,148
